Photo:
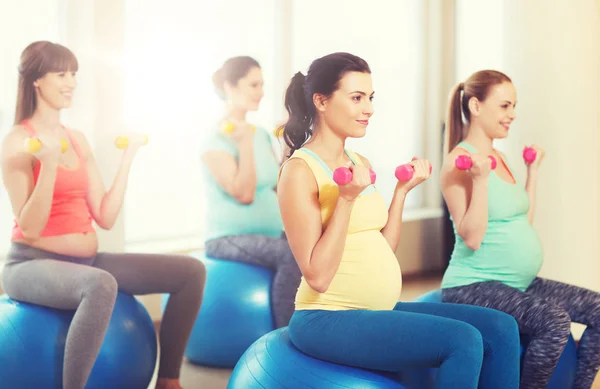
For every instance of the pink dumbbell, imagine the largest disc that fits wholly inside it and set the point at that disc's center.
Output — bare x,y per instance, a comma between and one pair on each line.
529,155
464,162
343,175
405,172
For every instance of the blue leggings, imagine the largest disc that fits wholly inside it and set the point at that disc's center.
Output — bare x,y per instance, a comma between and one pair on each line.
473,347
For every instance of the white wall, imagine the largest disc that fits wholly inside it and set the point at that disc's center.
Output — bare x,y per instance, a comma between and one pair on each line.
553,56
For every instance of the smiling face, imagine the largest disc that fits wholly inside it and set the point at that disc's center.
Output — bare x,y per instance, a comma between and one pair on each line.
348,110
248,91
55,89
496,113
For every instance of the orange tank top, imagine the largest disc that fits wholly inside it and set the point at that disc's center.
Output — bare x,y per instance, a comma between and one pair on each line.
69,213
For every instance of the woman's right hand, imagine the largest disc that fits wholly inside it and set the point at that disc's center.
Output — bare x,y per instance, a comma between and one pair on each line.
361,178
481,168
50,151
243,131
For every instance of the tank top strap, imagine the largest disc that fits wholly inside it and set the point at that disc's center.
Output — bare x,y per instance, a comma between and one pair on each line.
354,157
467,146
29,128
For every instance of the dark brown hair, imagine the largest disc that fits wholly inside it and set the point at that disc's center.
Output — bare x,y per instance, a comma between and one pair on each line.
38,59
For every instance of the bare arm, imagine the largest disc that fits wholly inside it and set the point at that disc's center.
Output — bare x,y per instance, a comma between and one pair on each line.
393,227
530,187
317,252
31,203
105,205
237,178
531,184
466,196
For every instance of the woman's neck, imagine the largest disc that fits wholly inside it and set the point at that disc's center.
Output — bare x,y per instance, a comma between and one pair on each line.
236,113
46,119
329,146
477,138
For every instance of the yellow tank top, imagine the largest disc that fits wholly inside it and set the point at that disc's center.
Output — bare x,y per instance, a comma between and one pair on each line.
369,275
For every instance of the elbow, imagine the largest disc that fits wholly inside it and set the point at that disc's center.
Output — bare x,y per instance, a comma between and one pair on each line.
245,198
472,243
474,246
105,226
318,284
472,238
30,233
104,223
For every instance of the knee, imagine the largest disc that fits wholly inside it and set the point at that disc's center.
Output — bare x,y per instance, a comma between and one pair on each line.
193,275
194,270
554,321
102,283
465,340
502,327
593,314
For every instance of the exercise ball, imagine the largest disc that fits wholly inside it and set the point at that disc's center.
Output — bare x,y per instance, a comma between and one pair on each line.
563,376
32,345
273,362
235,312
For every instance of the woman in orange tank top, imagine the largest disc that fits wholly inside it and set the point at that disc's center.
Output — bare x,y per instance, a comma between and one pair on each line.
55,197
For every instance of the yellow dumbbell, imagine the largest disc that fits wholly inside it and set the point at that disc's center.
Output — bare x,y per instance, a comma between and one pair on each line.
33,145
278,131
228,127
123,141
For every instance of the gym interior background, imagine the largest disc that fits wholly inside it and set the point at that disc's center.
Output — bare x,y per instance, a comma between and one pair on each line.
146,66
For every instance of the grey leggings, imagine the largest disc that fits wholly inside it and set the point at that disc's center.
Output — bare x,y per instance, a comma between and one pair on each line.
90,285
272,253
544,312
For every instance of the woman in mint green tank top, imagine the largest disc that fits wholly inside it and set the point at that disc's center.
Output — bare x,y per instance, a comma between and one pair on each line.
240,172
497,253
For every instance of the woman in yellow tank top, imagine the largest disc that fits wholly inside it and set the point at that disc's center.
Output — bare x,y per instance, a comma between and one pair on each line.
344,237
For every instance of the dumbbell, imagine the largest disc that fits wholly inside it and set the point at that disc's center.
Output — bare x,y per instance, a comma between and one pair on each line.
464,162
529,155
33,145
227,127
343,175
122,142
278,131
405,172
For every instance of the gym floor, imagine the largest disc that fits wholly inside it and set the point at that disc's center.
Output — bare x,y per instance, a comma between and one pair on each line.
199,377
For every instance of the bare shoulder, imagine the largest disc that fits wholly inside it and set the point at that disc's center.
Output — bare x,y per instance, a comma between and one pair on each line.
13,141
295,168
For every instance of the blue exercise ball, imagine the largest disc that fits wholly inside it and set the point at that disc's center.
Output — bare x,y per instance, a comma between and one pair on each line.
32,345
273,362
563,376
235,312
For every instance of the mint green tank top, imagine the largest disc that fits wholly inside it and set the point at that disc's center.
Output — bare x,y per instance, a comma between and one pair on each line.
225,216
511,251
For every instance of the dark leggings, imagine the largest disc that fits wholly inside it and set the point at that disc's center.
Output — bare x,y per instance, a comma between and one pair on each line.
473,347
271,253
90,285
544,312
